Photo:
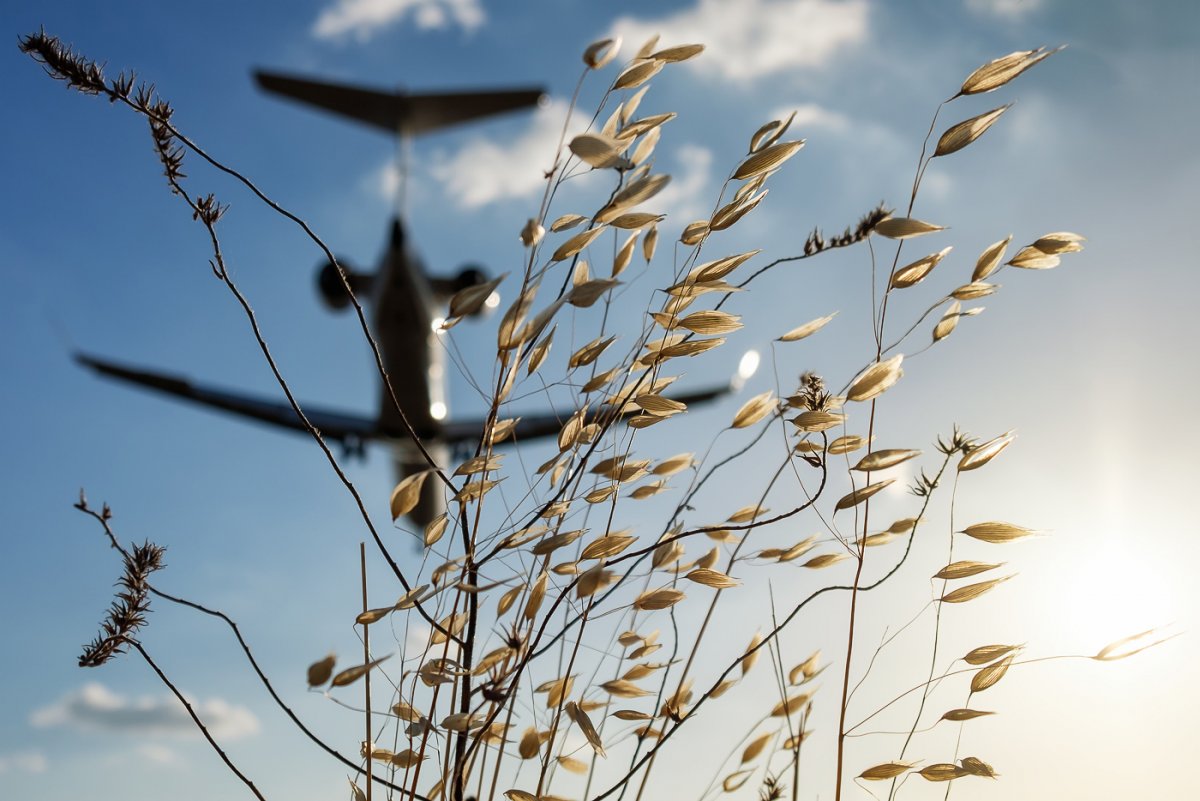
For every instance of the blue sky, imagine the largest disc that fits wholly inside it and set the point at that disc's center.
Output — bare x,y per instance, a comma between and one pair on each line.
1091,363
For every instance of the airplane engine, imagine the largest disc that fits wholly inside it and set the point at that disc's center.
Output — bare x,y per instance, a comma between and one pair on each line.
333,293
470,275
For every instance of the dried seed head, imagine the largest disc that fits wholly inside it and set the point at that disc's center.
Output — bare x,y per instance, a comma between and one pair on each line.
964,133
995,74
638,74
127,613
905,227
532,233
599,54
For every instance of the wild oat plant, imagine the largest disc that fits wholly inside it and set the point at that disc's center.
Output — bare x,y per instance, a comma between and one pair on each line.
560,662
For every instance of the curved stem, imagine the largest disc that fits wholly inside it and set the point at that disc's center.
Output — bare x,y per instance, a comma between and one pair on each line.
103,518
196,719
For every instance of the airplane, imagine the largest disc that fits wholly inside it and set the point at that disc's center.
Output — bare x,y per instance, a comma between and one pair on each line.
407,305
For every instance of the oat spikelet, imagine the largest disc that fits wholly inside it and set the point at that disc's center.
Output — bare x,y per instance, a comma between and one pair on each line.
577,243
638,74
965,569
754,410
353,674
960,715
990,259
997,532
905,228
971,591
988,653
979,456
995,74
876,379
964,133
861,494
599,151
808,329
767,159
599,54
942,772
883,459
407,494
914,273
320,671
888,770
988,676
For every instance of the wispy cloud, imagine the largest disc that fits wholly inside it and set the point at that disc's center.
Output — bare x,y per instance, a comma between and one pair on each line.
819,125
483,171
157,752
385,182
810,116
756,38
362,19
94,706
685,198
1012,9
26,761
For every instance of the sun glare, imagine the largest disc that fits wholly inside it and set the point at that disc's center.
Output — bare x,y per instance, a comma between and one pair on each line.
1113,593
747,367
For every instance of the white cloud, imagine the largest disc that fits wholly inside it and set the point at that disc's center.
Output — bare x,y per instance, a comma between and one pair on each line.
812,115
28,761
483,171
937,186
157,752
683,200
365,18
1013,9
416,641
419,645
383,183
755,38
854,136
94,706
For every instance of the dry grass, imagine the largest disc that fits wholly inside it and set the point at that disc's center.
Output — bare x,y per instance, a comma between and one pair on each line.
565,628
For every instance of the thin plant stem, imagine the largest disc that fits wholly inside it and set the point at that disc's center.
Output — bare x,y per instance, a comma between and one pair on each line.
368,742
103,517
937,628
137,646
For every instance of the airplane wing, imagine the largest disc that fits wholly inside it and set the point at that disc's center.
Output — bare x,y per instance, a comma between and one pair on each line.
548,425
341,427
399,112
337,426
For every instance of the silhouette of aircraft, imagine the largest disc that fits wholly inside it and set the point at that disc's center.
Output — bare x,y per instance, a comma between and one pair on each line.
407,305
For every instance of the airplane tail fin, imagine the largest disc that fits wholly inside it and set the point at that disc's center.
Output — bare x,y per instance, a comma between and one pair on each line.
398,112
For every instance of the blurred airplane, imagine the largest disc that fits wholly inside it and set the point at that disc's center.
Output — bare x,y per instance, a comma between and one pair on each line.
407,303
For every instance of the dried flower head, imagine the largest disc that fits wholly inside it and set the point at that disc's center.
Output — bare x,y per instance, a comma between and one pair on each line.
128,611
817,242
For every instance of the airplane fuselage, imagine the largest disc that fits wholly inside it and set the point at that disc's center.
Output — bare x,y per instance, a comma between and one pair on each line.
405,311
406,314
406,306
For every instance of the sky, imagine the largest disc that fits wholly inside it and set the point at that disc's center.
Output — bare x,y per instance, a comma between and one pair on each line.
1088,362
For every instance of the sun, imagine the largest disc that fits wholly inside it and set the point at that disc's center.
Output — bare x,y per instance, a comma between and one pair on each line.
1113,592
